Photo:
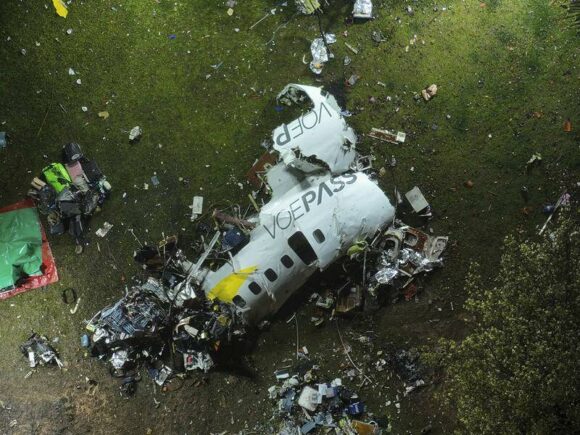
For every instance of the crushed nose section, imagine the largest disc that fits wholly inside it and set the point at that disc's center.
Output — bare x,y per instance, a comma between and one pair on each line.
318,140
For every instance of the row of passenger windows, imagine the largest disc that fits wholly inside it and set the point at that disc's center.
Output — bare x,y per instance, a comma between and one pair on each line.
299,244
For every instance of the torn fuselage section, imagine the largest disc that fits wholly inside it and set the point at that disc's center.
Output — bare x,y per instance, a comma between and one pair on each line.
306,229
319,139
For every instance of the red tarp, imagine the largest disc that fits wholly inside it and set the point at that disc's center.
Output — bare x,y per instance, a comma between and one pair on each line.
49,273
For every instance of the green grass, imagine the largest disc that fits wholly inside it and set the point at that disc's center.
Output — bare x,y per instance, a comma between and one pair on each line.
494,66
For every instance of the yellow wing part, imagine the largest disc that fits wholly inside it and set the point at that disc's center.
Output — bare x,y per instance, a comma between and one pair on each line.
60,7
227,288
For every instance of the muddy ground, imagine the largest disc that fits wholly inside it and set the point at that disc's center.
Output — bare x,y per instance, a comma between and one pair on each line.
202,86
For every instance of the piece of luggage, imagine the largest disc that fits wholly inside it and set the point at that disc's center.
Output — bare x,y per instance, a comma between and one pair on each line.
72,152
91,170
57,176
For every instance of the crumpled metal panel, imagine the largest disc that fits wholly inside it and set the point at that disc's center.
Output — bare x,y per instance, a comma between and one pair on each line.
319,139
363,9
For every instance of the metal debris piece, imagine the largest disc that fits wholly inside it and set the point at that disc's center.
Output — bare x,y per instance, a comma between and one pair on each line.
378,37
352,79
536,159
60,8
349,299
407,252
319,51
3,139
351,48
387,135
307,7
102,232
196,207
256,173
135,134
363,9
38,350
563,201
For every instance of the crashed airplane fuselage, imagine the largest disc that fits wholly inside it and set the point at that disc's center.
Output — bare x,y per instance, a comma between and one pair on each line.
320,207
308,228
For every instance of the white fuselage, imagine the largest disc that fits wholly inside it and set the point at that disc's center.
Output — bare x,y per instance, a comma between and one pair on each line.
306,228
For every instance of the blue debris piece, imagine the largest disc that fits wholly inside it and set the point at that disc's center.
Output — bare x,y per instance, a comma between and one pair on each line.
308,427
85,341
355,408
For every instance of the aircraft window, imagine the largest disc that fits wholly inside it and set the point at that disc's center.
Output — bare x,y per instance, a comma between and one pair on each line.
302,248
287,262
271,275
318,236
239,301
255,288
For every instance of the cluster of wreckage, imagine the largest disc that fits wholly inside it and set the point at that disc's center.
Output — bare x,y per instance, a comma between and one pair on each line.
305,405
325,206
39,351
70,193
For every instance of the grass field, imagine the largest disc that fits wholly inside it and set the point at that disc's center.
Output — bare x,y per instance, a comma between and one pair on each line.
508,78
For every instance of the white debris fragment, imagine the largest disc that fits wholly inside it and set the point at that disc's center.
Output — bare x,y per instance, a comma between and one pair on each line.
71,72
84,108
135,133
196,207
308,398
362,9
102,232
416,199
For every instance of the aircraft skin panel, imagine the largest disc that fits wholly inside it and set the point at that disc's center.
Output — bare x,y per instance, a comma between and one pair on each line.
317,139
228,287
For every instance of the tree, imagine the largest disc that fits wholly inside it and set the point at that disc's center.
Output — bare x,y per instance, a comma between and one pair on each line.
518,370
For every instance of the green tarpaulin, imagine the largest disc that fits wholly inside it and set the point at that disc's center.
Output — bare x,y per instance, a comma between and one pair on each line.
20,245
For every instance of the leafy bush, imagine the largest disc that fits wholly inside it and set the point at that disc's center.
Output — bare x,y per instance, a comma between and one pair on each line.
518,371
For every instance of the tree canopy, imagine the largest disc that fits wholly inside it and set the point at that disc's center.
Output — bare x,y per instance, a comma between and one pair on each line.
518,370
